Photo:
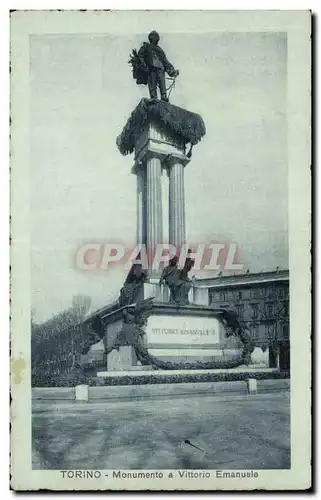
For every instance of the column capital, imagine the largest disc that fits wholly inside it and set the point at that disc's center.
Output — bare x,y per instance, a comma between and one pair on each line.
146,154
174,158
151,152
155,143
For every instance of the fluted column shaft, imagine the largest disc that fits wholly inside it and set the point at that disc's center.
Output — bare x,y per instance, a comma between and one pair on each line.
141,207
154,209
176,205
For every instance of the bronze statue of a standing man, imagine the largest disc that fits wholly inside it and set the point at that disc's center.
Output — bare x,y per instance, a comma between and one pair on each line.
150,65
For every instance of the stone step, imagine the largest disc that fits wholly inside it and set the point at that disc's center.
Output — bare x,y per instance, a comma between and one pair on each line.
164,373
136,368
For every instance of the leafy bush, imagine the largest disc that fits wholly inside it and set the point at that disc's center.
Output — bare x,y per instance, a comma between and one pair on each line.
153,378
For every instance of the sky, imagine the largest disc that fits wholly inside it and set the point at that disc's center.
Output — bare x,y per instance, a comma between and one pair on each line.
82,188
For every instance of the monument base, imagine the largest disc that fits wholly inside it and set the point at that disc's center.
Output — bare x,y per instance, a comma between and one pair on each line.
172,337
167,337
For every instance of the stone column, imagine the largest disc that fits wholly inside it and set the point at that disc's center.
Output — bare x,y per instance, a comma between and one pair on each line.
141,207
176,203
154,208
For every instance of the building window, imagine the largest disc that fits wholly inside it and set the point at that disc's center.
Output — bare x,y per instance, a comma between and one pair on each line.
255,310
285,331
222,296
239,295
267,333
270,332
269,311
256,293
240,309
254,330
285,308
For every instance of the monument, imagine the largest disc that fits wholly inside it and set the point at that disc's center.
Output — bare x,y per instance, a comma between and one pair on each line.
162,321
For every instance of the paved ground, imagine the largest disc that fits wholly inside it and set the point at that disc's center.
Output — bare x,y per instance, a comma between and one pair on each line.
241,432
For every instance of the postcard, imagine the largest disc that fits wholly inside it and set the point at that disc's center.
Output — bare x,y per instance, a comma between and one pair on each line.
160,250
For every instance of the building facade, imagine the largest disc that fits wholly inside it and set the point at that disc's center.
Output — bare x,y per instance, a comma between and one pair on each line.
262,301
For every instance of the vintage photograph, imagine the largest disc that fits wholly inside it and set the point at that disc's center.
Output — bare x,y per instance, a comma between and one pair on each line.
159,239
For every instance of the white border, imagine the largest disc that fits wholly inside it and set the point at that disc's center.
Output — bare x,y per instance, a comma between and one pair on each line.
299,123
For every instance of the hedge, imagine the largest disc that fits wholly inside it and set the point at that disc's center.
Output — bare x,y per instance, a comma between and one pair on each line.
154,378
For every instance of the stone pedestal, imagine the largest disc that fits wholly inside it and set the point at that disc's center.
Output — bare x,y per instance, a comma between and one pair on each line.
81,392
251,386
200,296
177,334
185,334
188,334
125,357
120,360
154,289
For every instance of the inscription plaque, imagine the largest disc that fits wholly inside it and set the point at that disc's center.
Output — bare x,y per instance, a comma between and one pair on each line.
182,330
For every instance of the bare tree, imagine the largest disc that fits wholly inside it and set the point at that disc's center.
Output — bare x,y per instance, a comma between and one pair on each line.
81,305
